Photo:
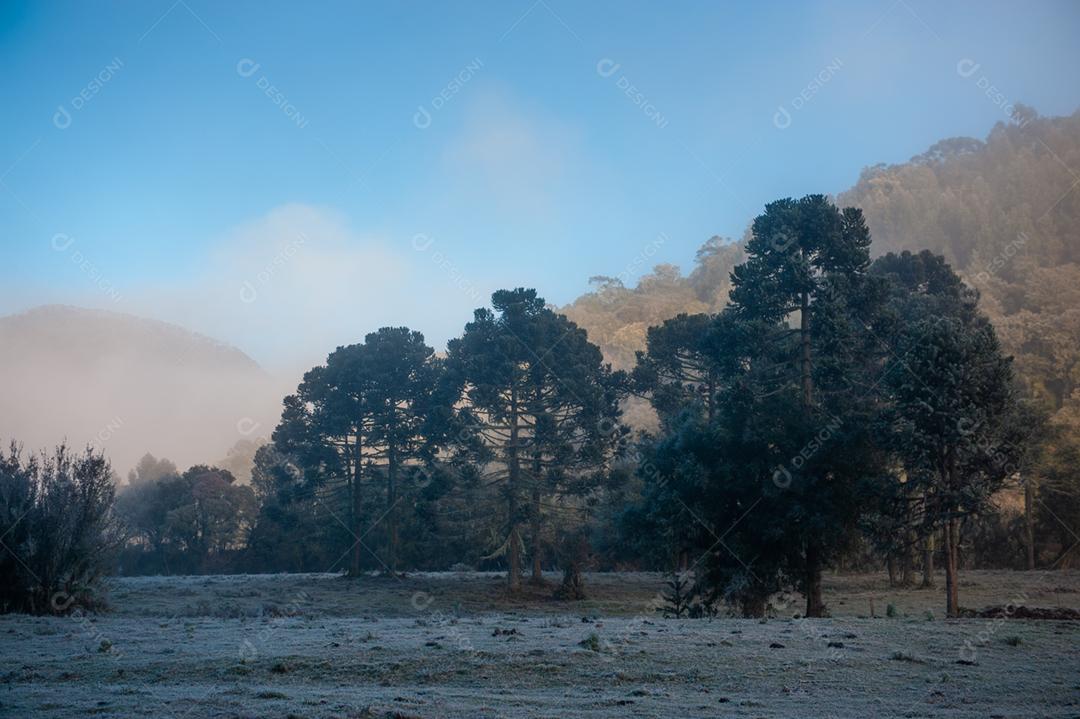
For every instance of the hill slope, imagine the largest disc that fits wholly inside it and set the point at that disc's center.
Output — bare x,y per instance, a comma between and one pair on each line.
128,385
1004,211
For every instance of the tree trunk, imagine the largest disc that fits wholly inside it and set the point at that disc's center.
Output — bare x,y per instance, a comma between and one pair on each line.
890,564
391,509
952,537
710,403
513,550
814,605
537,572
804,338
572,588
1029,522
952,590
928,562
514,576
355,512
907,562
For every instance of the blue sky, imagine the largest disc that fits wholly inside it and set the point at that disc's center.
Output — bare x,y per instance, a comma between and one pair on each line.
263,172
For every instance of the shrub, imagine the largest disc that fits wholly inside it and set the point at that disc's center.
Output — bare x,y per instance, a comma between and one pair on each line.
58,528
591,642
900,656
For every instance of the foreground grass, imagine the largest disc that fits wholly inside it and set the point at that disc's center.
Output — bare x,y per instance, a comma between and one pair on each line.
455,646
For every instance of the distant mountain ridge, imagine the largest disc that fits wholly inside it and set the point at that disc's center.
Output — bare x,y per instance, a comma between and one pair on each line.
128,385
92,329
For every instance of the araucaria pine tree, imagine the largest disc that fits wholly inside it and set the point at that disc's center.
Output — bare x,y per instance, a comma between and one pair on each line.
804,283
951,409
542,404
361,421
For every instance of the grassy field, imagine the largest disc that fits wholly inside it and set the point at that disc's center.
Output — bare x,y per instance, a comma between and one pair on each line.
454,645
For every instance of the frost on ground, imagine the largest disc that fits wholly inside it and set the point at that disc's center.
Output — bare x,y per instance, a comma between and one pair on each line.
452,645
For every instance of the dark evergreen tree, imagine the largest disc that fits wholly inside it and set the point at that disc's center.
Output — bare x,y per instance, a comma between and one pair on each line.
917,286
952,414
807,262
361,419
541,407
403,375
678,595
682,365
951,398
289,533
326,427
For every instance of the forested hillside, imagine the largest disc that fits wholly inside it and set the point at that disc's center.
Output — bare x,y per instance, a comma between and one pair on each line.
1003,212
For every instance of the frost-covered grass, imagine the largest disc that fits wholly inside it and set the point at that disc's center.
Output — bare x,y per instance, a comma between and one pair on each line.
452,645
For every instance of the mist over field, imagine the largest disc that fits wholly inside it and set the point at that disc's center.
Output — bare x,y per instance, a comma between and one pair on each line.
537,359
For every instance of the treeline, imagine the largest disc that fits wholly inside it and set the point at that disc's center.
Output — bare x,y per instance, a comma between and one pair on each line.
836,409
391,457
184,523
838,412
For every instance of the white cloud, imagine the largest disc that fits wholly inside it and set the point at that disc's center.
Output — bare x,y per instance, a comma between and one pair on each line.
508,156
303,259
290,286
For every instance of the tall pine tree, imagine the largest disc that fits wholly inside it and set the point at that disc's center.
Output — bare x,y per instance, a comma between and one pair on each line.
361,420
806,263
542,404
